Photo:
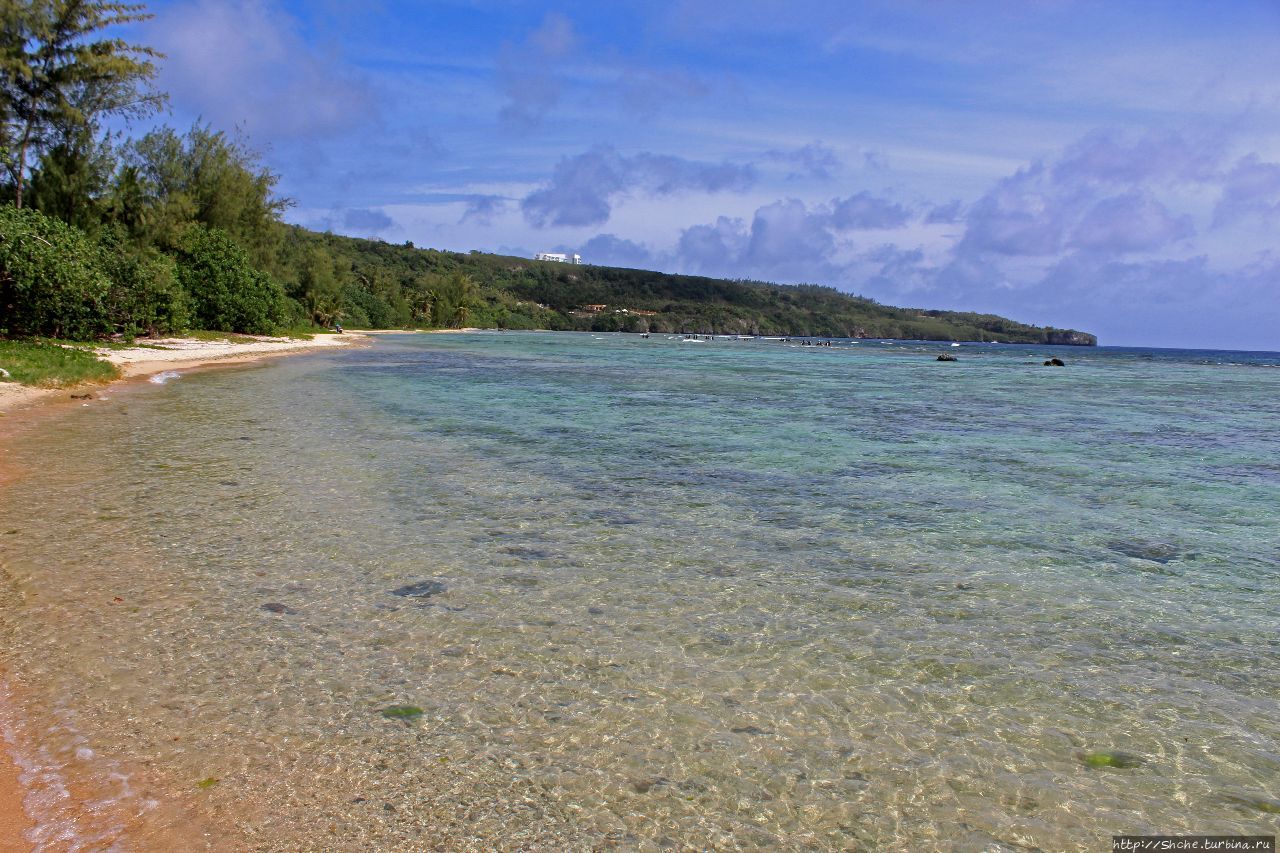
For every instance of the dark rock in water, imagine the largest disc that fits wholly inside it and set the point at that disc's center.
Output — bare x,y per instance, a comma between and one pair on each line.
644,786
750,730
947,357
964,586
227,483
1110,758
596,611
1055,362
421,589
277,607
81,396
526,553
1156,552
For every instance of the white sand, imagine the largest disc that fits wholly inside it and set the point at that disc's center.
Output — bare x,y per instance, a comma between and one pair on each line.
181,352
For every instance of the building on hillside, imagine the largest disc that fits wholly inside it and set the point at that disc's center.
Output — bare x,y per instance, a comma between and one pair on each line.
558,257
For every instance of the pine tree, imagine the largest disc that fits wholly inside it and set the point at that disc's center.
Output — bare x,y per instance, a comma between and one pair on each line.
58,76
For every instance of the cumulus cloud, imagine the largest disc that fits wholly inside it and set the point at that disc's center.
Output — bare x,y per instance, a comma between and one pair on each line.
482,209
582,189
367,220
1019,216
612,250
788,240
714,248
246,63
863,211
1153,156
1132,222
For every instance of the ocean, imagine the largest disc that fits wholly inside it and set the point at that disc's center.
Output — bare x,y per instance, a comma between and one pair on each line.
574,591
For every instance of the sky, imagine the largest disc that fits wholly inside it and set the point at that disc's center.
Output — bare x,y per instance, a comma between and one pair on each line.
1106,166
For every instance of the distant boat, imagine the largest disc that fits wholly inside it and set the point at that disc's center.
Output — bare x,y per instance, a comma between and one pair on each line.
955,345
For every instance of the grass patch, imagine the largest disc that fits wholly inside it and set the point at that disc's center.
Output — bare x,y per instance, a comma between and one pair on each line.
300,333
119,345
47,365
231,337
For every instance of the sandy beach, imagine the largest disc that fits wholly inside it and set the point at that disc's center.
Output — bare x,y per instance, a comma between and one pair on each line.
163,354
134,363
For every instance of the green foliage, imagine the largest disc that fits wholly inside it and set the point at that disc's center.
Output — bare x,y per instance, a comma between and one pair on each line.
227,293
72,179
145,297
49,365
384,286
51,280
57,78
168,181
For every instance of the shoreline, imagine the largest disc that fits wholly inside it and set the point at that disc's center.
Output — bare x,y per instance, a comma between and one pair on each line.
135,363
177,353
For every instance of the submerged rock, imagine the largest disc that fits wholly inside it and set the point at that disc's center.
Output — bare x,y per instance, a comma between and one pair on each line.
1110,758
1156,552
1055,362
644,786
526,553
750,730
947,357
421,589
277,607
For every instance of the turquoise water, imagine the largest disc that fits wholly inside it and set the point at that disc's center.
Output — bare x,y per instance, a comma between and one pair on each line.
730,594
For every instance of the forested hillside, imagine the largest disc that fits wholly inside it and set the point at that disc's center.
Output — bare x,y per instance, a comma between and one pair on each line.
372,283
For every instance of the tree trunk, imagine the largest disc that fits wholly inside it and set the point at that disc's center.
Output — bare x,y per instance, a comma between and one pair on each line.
22,164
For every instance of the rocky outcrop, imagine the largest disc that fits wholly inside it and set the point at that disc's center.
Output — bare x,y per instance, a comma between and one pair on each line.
1069,338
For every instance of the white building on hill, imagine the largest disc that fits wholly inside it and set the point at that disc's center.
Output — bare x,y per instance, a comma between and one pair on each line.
559,257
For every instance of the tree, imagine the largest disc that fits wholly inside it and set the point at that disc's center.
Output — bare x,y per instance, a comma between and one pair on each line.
51,280
204,176
227,293
57,78
72,180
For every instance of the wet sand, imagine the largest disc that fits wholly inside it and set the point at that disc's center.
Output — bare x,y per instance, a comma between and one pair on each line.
134,363
14,823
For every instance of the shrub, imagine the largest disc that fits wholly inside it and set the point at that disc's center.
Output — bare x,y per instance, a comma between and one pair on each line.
145,296
227,293
51,279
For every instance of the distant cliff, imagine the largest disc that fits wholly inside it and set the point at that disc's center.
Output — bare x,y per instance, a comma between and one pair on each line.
391,286
1070,338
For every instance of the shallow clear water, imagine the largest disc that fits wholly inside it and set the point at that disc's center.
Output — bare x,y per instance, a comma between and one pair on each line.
734,594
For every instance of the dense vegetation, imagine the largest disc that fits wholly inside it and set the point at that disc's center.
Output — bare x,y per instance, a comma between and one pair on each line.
173,231
403,286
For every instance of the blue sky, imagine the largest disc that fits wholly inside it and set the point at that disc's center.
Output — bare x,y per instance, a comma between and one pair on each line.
1107,166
